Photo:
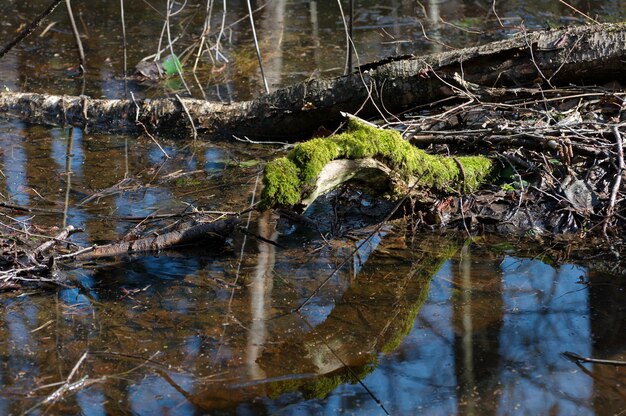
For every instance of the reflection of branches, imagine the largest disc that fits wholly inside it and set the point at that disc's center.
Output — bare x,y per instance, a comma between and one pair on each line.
72,387
533,380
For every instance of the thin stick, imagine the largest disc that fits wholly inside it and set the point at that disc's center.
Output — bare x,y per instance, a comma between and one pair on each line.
76,253
579,358
618,177
63,235
30,28
579,12
169,41
193,127
79,43
205,33
256,45
346,68
221,33
493,8
350,31
145,129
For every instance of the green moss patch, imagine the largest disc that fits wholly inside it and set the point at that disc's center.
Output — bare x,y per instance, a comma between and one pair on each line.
287,179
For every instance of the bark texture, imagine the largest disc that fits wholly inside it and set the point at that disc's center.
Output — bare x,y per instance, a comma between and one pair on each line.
584,54
209,233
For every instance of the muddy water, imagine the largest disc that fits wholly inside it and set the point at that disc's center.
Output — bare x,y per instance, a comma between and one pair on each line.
412,324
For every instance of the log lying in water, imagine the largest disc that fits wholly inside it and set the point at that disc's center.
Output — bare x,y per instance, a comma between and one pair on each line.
208,233
381,159
585,54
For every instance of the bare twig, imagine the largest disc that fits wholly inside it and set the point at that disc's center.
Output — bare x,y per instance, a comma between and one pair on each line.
193,126
30,28
579,358
124,46
256,46
493,9
619,149
145,129
60,237
170,5
79,43
579,12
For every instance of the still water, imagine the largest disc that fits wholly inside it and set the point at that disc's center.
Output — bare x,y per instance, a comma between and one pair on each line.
412,324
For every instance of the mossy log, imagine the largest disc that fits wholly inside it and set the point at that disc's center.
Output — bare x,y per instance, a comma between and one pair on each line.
380,158
580,55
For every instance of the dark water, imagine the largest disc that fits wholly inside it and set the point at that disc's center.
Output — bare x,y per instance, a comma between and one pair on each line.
413,324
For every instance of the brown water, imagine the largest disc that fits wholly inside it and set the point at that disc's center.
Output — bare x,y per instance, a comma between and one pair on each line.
413,324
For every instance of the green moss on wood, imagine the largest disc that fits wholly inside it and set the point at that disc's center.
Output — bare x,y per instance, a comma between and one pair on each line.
287,179
311,157
282,184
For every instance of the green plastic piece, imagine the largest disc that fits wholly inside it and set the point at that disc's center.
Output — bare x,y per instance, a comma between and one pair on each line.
171,65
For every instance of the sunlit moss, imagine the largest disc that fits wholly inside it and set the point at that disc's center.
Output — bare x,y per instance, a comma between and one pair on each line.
360,140
281,184
312,156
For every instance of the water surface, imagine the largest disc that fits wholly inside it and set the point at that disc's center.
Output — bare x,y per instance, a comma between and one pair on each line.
412,324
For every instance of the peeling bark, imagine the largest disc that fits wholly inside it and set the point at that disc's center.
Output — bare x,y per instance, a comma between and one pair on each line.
584,54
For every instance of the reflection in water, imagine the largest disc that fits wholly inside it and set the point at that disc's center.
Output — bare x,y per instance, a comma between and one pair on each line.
297,39
14,166
426,330
475,333
260,296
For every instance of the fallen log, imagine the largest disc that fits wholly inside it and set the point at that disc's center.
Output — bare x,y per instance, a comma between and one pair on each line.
208,233
381,159
584,55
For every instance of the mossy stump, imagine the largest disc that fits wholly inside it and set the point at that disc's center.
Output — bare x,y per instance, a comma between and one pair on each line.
295,178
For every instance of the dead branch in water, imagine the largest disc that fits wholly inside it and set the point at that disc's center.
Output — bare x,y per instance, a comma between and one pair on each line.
209,233
24,266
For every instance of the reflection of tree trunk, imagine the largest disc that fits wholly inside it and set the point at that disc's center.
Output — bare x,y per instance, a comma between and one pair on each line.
572,55
477,321
434,17
68,175
608,325
271,30
260,296
467,379
315,34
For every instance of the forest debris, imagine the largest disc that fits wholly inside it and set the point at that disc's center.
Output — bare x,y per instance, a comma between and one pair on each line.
63,235
20,265
579,193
